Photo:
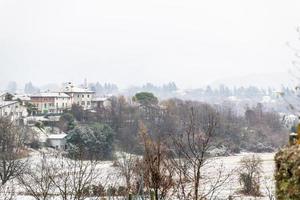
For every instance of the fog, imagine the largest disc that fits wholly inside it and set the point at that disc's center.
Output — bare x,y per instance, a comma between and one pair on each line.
134,41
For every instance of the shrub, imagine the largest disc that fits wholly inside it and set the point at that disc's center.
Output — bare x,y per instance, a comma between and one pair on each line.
249,175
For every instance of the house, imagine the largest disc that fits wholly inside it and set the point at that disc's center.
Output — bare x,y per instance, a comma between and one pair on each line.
22,98
51,102
80,96
57,141
5,96
12,109
101,102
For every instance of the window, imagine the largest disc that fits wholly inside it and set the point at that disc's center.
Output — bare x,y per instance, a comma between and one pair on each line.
88,103
82,103
88,96
78,95
45,105
82,95
63,104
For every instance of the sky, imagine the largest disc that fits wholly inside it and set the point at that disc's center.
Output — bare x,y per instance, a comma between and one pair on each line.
131,42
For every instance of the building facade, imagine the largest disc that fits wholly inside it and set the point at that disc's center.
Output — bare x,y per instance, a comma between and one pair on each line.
51,102
13,110
80,96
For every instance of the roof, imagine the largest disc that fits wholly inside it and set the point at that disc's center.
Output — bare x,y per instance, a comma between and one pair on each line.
36,118
22,97
51,94
70,88
57,136
100,99
7,103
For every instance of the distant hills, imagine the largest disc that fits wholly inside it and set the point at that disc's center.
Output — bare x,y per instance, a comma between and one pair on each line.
273,80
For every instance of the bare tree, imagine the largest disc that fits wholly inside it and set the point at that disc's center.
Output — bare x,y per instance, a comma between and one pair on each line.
7,192
37,178
250,174
190,155
11,151
57,175
74,178
126,164
155,165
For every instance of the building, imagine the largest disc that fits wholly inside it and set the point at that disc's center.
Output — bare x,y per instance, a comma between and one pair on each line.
12,109
51,102
57,141
80,96
101,102
6,96
21,97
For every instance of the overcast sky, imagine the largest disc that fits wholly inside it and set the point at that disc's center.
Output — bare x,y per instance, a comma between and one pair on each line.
135,41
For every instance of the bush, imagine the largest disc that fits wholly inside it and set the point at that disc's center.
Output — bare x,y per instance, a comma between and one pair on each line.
39,125
122,191
98,190
287,173
249,175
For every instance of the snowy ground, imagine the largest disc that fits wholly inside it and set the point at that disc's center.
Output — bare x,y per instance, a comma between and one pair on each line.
230,165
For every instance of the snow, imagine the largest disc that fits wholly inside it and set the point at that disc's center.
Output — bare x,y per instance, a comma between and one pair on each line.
110,176
51,94
57,136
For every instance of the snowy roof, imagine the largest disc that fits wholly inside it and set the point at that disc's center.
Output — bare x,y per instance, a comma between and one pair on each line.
100,99
51,94
22,97
7,103
74,89
57,136
36,118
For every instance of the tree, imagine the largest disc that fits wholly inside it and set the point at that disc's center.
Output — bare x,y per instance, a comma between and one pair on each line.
66,122
190,154
145,98
95,141
156,171
250,174
54,173
11,150
73,179
36,179
78,112
126,164
31,108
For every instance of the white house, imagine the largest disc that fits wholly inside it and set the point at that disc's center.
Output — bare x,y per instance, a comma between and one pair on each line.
12,109
80,96
57,141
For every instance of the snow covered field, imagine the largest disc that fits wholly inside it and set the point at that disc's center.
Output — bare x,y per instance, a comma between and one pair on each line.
230,165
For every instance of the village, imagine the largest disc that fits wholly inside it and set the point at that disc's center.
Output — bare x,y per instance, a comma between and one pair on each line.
149,100
45,108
